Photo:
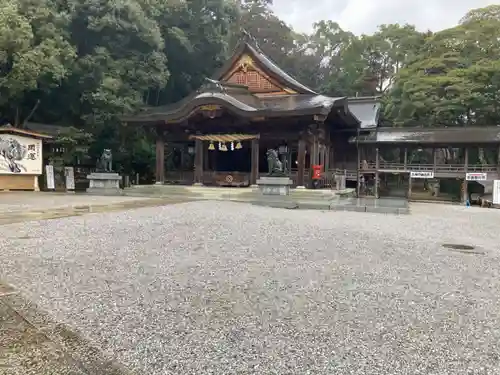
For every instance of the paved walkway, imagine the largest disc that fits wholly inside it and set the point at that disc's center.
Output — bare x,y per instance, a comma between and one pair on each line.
25,206
32,201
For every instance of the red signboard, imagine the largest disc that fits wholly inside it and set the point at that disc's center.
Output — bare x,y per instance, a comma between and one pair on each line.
317,171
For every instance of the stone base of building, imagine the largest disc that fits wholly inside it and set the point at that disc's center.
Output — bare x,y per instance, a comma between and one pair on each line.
274,185
102,183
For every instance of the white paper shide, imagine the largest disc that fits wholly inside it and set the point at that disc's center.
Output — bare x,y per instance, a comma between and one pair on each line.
20,155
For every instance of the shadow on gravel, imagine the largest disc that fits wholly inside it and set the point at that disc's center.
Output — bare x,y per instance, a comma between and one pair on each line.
31,342
461,248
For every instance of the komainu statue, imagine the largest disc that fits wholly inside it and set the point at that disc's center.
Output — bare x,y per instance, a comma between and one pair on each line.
104,164
275,166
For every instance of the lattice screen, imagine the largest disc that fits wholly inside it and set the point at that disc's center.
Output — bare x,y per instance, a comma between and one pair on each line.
255,81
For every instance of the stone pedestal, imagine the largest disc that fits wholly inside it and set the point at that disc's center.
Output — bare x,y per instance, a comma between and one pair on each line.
274,185
340,182
104,183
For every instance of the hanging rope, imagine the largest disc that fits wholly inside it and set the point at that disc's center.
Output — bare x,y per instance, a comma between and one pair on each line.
225,138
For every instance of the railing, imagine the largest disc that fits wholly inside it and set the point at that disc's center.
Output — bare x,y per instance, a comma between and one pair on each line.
351,174
327,180
483,168
429,167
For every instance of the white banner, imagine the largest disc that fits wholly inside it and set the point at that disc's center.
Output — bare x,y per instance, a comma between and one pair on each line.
49,174
20,155
476,176
69,172
496,192
422,174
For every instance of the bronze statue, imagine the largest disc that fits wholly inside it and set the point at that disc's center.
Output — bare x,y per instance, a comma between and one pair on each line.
275,166
104,163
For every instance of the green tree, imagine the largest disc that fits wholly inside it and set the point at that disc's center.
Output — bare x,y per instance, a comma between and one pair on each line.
453,81
196,37
365,65
35,55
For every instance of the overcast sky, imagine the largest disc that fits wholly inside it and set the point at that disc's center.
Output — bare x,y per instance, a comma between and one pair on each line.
363,16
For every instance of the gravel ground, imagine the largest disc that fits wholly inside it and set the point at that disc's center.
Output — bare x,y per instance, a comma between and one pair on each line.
229,288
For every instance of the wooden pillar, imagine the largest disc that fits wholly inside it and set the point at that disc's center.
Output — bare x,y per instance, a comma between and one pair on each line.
313,156
434,160
377,177
317,151
301,163
206,164
358,171
498,161
215,154
331,156
327,157
254,174
313,146
184,151
160,158
465,189
198,162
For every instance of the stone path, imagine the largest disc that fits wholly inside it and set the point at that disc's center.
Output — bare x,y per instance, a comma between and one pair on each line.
20,202
19,207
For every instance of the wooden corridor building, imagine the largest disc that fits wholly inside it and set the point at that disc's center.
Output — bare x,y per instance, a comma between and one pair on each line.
219,134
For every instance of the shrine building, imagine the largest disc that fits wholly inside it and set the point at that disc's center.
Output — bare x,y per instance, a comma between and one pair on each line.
219,135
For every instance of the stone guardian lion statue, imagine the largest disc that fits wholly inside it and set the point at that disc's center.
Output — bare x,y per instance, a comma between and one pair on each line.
105,162
275,166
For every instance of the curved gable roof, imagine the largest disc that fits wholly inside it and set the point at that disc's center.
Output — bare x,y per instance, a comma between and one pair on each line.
266,64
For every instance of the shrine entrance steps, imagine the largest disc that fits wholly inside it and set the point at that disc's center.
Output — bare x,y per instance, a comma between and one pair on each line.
321,199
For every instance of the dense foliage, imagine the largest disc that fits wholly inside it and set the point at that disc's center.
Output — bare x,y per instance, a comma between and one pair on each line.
81,63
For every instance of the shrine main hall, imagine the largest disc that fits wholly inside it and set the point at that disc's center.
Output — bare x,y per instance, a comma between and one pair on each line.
219,135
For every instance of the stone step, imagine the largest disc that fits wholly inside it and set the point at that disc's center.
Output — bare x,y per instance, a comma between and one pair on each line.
243,194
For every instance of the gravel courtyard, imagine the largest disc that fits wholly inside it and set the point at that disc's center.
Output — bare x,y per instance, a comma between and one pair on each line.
229,288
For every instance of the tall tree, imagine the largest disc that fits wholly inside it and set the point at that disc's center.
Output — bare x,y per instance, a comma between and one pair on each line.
454,79
35,55
196,40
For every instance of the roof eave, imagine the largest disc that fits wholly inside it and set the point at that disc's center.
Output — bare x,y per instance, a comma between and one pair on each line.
347,115
22,132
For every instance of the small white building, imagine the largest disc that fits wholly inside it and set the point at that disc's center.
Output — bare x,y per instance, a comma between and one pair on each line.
21,158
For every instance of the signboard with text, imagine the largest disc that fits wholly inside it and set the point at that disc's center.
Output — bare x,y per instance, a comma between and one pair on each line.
69,173
422,174
49,175
496,192
476,176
